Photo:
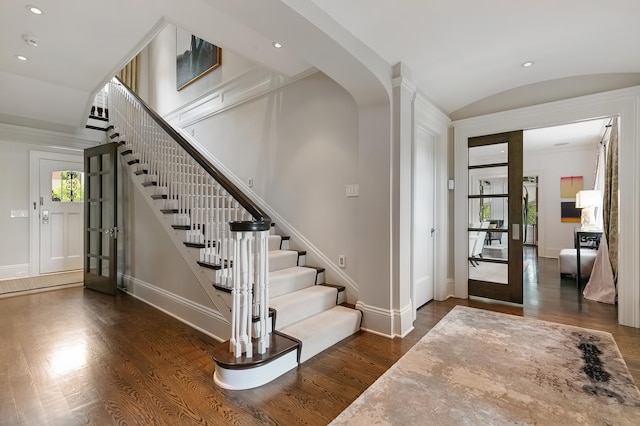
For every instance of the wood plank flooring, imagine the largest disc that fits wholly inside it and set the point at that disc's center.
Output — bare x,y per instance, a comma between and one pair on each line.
74,356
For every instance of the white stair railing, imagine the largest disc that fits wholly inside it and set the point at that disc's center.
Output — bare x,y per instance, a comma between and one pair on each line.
230,230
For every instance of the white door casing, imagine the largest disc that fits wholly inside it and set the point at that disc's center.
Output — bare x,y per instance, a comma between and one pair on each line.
56,243
423,231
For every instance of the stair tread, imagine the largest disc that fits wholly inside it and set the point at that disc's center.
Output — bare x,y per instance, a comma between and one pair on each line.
323,330
279,345
301,304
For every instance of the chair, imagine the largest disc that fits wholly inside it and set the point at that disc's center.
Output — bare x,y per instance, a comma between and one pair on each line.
494,236
476,241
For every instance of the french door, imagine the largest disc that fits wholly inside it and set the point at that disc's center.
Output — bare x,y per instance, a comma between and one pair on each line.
101,232
495,216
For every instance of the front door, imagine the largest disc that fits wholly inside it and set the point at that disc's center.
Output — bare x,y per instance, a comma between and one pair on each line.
101,232
495,216
60,219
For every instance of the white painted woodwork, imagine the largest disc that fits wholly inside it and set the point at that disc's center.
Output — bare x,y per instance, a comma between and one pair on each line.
423,216
61,236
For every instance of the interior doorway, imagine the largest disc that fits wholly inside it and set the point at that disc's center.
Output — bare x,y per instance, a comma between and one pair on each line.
423,232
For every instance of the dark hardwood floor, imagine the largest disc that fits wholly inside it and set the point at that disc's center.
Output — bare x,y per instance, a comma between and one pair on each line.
78,357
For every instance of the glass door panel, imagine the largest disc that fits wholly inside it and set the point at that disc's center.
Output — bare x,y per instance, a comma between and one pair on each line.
495,216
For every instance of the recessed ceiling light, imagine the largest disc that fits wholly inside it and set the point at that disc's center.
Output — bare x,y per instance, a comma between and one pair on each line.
276,45
22,58
527,64
34,10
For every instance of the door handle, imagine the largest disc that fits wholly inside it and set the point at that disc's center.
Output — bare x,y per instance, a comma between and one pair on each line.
432,231
45,216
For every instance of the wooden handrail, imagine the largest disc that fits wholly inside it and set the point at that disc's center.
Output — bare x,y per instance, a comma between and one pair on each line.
261,221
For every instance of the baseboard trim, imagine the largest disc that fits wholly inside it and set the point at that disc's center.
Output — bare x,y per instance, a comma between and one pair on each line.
195,315
448,292
403,320
376,320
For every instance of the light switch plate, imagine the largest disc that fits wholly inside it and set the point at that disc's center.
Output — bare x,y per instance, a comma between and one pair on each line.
19,213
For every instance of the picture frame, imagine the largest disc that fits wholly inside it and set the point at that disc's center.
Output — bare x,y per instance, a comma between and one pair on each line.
195,57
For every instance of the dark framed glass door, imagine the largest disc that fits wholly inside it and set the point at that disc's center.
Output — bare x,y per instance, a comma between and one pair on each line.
101,206
495,216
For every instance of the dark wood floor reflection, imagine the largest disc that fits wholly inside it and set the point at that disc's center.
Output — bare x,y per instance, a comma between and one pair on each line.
78,357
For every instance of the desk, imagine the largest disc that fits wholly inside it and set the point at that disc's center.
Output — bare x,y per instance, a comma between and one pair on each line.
584,239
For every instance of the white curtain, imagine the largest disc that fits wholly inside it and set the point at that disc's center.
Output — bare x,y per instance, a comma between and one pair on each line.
601,286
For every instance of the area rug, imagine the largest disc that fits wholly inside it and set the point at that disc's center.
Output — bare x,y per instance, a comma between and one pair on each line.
19,285
477,367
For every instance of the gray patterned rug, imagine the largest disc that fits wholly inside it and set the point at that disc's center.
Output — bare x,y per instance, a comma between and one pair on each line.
17,286
479,367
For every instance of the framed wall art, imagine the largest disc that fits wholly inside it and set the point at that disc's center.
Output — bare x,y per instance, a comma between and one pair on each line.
194,58
569,187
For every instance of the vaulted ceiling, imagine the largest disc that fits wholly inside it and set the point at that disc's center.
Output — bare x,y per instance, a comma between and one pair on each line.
459,52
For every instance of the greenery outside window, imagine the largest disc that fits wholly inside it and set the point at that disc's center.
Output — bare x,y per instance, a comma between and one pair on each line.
67,186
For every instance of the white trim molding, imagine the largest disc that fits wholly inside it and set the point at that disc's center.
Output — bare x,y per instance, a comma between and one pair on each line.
195,315
85,138
388,323
403,320
624,103
256,82
376,320
35,157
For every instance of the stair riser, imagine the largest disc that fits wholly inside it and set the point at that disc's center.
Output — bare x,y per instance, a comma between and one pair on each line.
279,285
282,259
302,304
324,330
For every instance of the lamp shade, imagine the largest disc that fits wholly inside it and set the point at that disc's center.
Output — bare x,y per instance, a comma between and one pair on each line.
588,198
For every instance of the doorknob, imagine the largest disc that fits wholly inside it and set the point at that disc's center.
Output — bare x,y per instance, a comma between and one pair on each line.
45,216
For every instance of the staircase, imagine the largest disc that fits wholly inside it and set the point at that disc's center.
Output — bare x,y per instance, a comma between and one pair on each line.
234,251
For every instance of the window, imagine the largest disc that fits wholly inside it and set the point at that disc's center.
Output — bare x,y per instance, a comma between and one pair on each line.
67,186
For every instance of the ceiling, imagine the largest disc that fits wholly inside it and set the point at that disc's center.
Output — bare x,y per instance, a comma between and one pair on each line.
458,52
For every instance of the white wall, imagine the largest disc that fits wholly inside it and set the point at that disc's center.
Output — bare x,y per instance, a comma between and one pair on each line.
554,235
15,144
14,195
299,145
161,82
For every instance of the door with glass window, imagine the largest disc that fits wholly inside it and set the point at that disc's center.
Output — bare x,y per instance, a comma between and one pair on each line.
495,216
101,232
60,217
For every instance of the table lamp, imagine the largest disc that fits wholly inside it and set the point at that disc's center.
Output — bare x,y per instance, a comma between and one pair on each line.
588,200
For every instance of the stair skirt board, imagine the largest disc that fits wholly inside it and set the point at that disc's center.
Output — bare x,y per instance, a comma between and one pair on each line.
254,377
282,259
290,280
302,304
324,330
